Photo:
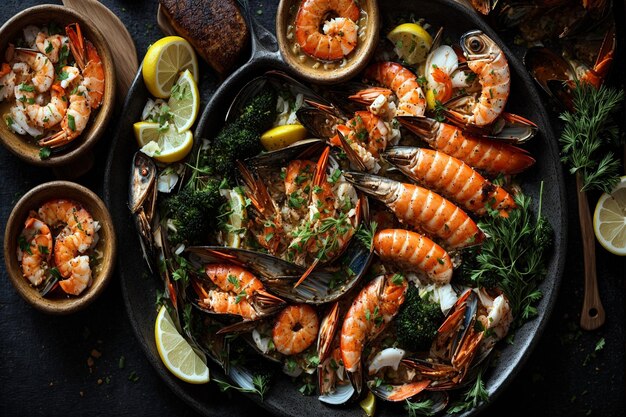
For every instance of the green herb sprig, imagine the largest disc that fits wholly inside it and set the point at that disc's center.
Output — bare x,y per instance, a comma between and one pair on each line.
473,396
514,258
588,129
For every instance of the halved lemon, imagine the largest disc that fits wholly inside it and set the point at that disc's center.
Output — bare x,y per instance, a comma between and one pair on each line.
164,60
411,42
177,355
609,219
282,136
236,219
184,101
164,146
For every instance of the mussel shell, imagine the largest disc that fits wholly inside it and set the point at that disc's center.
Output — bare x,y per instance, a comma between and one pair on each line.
342,395
278,80
279,276
142,180
303,149
544,65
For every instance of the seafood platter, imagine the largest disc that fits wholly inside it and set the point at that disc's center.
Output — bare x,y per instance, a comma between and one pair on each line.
395,238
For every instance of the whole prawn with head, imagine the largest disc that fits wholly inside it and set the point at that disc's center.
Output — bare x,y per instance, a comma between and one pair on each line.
339,34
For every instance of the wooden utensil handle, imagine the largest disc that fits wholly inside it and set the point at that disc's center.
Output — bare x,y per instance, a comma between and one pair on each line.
592,315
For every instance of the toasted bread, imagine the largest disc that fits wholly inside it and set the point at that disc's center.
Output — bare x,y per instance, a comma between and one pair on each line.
215,28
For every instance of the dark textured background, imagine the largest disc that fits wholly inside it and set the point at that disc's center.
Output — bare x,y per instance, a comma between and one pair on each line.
44,366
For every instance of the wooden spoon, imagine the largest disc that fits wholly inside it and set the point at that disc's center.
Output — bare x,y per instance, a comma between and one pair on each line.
121,43
592,315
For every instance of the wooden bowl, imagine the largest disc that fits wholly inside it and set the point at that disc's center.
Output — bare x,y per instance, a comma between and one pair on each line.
22,145
357,60
107,244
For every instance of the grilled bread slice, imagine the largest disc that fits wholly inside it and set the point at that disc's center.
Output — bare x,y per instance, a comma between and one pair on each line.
215,28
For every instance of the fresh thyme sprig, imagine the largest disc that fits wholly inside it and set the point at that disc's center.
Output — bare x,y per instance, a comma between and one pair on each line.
588,129
365,234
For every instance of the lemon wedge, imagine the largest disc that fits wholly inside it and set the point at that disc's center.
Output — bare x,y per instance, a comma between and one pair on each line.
177,355
411,42
164,60
184,102
431,101
164,146
369,404
282,136
609,219
236,219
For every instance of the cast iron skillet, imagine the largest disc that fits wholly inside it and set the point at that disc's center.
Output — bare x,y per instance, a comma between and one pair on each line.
139,288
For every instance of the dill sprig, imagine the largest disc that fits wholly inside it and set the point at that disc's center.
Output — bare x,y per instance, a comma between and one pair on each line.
473,396
514,257
587,130
419,408
259,381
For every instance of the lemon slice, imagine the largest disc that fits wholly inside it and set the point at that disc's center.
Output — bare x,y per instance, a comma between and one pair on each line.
166,146
184,102
282,136
236,219
177,355
164,60
609,219
412,43
369,404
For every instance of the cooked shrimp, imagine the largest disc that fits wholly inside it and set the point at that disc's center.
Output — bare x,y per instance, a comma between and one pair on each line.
487,155
267,216
450,177
80,275
51,114
77,235
67,75
233,278
494,314
422,208
298,176
411,100
295,329
488,62
43,69
74,122
414,252
7,82
35,249
440,65
367,134
89,62
239,293
340,34
50,45
372,309
21,124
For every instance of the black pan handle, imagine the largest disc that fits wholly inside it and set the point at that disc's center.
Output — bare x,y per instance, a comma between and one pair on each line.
264,43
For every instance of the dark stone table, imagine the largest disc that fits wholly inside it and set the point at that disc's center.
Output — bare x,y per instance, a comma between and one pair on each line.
91,364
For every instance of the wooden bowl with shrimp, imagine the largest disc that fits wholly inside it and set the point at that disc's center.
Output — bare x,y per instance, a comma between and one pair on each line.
74,152
333,66
101,253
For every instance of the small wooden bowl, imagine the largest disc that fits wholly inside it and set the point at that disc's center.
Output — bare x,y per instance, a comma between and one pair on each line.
358,59
21,145
32,200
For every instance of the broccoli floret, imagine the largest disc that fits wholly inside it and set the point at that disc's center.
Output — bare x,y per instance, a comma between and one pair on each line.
193,212
463,275
417,322
240,139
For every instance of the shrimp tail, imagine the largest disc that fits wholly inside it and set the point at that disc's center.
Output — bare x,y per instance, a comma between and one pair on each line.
77,45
